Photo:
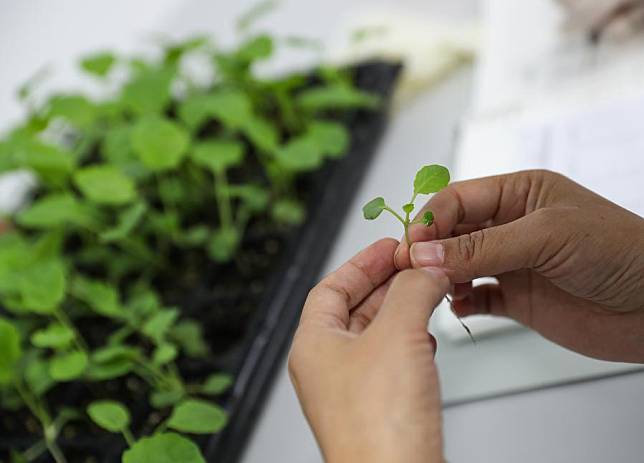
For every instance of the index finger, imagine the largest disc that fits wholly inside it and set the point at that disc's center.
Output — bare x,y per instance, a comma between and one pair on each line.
329,304
489,200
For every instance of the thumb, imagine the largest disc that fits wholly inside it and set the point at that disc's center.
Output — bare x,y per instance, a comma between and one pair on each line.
492,251
411,300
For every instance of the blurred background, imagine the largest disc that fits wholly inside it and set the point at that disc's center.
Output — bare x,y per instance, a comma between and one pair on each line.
489,86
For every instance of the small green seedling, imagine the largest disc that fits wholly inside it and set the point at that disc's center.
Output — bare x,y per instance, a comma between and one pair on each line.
429,179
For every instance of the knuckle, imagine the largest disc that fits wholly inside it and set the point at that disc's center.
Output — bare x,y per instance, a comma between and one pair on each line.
471,245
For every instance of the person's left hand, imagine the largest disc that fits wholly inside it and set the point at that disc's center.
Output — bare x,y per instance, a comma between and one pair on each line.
362,361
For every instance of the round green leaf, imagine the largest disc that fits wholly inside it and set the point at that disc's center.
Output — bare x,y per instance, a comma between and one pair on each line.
55,336
53,210
331,137
218,155
165,447
76,109
261,133
159,143
198,417
373,208
431,179
109,415
288,212
149,91
10,351
428,218
408,208
300,154
100,297
163,399
223,244
68,366
42,286
98,64
217,384
164,353
105,184
259,47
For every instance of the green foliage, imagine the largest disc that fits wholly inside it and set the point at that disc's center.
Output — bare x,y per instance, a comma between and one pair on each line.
55,336
160,143
336,96
165,447
429,179
133,193
373,208
67,366
197,417
216,384
98,64
218,155
105,184
10,351
109,415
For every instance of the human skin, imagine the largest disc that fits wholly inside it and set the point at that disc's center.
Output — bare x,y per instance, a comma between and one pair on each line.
569,265
362,361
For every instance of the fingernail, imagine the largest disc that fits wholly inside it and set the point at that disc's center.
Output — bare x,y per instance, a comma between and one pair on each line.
427,254
435,272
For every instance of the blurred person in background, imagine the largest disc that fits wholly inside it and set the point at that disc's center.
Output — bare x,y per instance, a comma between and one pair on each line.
614,20
568,263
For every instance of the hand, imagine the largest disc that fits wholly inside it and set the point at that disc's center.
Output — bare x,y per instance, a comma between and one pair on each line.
569,263
362,361
614,19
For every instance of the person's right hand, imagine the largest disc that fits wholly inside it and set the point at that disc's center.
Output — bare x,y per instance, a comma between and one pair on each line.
569,263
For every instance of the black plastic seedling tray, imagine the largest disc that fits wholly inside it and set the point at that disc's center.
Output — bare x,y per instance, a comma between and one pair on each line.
256,356
275,320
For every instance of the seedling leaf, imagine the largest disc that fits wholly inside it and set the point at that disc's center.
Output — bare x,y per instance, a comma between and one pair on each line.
165,447
68,366
105,184
197,417
98,64
159,143
373,208
216,384
431,179
55,336
109,415
218,155
223,244
331,137
149,91
336,96
42,286
288,211
428,218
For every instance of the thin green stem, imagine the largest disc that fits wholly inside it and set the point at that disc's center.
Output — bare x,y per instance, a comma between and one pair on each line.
129,438
45,422
55,451
395,214
223,200
64,320
35,450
